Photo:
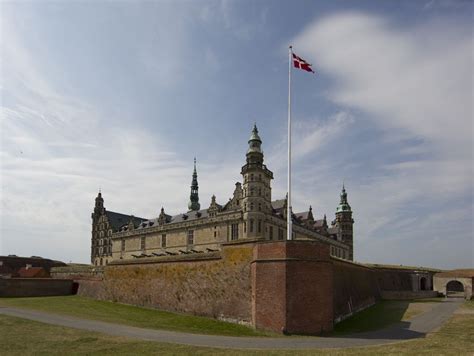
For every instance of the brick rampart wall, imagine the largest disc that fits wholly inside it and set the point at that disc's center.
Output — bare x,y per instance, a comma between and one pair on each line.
292,287
34,287
355,288
394,280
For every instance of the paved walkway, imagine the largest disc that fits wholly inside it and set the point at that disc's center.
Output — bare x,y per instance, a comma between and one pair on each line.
417,327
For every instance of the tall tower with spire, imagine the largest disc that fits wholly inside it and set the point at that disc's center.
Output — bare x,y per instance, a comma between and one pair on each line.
99,206
257,195
344,222
194,196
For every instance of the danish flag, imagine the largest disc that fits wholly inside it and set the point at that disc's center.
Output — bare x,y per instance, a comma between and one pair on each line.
300,63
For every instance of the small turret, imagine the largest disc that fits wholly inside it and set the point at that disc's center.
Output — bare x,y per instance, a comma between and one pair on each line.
162,217
194,196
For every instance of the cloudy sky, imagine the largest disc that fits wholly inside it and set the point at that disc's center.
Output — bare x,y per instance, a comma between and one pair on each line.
123,95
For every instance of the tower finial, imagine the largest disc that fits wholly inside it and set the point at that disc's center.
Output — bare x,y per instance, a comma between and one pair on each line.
343,205
194,196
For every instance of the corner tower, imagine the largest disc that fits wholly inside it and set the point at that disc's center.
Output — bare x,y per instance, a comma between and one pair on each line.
194,196
257,195
100,244
344,223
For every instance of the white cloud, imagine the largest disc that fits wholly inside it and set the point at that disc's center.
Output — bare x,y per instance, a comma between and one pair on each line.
56,151
418,79
414,84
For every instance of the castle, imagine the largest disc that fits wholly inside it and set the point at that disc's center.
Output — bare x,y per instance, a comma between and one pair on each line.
250,215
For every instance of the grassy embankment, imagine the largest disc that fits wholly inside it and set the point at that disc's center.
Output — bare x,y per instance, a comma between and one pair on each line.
24,337
378,316
87,308
383,314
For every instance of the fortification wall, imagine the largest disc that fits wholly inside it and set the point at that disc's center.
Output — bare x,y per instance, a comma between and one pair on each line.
394,280
34,287
292,287
211,284
354,288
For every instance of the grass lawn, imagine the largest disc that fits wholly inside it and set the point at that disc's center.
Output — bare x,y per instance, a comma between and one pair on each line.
383,314
378,316
87,308
24,337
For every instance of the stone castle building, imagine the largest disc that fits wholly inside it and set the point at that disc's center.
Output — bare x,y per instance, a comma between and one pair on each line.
249,215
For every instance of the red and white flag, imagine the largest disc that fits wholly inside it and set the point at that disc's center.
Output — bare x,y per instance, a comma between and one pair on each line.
300,63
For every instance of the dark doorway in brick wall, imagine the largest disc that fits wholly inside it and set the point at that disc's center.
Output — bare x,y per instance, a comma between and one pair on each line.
422,283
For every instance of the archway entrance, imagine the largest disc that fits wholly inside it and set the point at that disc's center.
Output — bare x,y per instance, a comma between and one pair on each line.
454,289
422,283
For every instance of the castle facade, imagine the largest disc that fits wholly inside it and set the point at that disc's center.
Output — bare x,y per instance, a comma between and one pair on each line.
249,215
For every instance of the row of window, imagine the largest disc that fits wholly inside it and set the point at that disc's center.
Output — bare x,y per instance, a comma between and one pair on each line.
252,192
339,252
101,227
102,234
100,242
101,262
189,240
254,226
251,178
105,250
143,242
251,206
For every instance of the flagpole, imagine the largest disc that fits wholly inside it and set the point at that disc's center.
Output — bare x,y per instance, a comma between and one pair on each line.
288,213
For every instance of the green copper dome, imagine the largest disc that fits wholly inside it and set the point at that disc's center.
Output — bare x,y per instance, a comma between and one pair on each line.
343,205
255,141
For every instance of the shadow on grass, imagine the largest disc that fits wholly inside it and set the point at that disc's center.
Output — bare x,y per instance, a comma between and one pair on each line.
380,321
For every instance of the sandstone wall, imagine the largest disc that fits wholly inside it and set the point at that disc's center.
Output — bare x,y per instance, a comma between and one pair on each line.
213,284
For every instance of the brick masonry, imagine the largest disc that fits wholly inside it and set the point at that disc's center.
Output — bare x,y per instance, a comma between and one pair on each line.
34,287
292,287
284,286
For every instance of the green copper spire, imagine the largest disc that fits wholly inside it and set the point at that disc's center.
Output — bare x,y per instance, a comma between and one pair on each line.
254,141
194,197
343,205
